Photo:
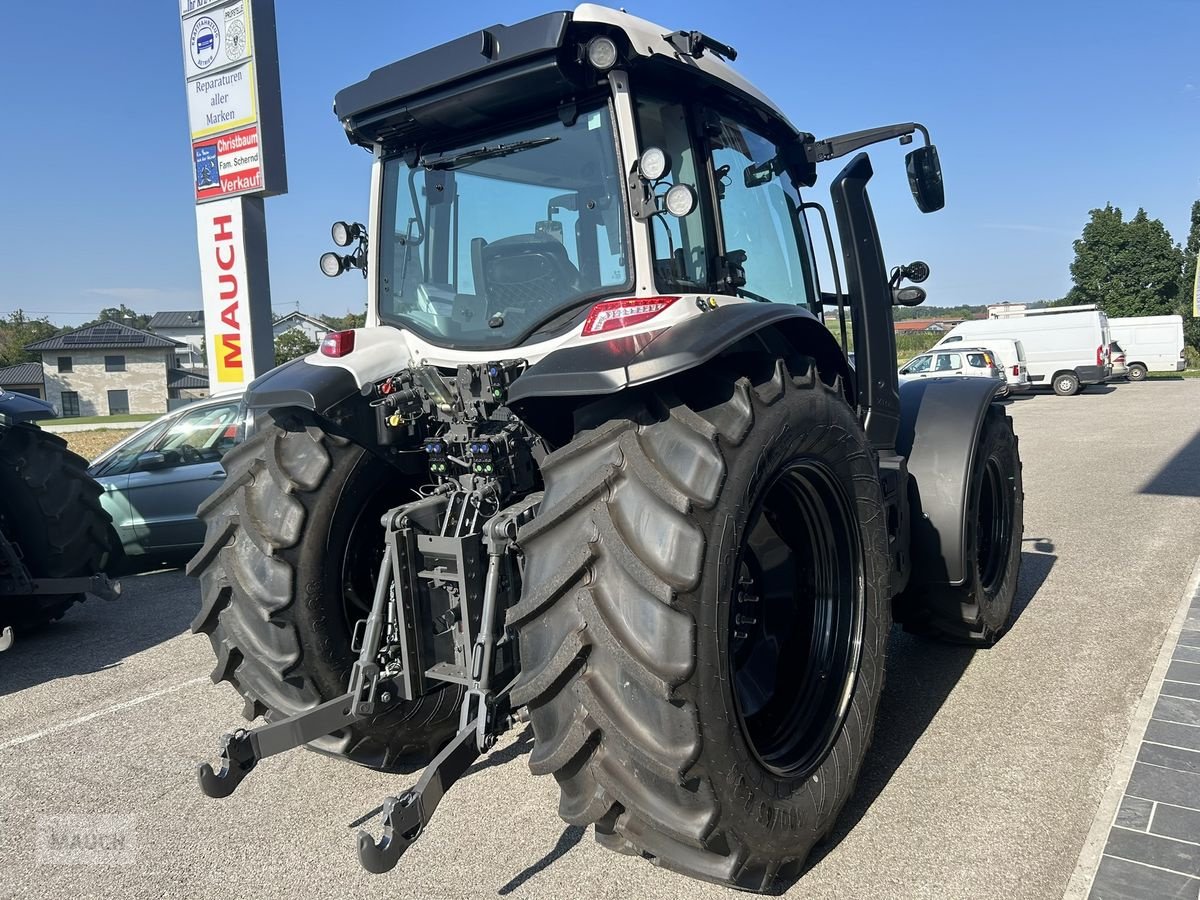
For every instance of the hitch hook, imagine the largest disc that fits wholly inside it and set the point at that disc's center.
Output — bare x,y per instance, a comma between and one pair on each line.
237,760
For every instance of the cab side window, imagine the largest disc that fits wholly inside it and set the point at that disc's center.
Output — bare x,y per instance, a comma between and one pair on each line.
948,362
759,214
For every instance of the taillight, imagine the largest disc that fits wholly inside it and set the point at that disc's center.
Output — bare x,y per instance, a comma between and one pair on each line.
337,343
1100,355
1016,371
609,315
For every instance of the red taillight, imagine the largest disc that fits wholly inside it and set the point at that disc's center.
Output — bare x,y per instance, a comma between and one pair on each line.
337,343
1016,371
610,315
1100,355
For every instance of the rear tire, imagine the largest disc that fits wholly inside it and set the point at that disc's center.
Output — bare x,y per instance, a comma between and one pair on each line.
1066,384
50,507
978,612
713,733
290,555
1137,372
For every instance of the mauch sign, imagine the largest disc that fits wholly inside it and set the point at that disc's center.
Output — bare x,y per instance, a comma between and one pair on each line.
233,269
231,66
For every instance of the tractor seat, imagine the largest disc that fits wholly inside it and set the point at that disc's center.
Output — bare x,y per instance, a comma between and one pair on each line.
523,272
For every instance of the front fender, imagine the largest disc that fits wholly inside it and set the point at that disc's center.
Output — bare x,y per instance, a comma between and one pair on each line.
940,422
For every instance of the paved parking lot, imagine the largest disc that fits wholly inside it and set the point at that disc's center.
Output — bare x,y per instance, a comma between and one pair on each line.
983,781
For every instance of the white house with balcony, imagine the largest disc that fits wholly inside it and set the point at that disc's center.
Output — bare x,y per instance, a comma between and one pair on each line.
186,327
314,329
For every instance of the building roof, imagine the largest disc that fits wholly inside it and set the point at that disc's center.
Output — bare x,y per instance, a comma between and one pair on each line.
104,336
176,318
22,373
187,379
298,316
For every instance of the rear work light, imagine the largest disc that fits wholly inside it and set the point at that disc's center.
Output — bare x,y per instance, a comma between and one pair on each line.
609,315
337,343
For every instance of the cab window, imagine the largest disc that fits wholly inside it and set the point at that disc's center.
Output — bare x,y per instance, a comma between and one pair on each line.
759,215
680,250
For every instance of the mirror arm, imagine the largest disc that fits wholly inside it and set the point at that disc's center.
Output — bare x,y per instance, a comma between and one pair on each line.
840,145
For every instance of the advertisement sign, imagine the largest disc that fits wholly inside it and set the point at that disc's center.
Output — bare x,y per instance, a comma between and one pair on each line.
231,67
227,164
223,282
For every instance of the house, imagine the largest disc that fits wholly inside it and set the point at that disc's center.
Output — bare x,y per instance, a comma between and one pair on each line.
187,327
106,369
314,329
918,326
24,378
186,385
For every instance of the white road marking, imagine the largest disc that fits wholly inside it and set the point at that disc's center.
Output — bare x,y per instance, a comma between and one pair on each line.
63,726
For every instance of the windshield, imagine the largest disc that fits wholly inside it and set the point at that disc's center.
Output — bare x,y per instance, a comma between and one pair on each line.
486,243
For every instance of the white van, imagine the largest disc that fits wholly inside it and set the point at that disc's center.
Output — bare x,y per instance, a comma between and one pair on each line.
1151,343
1010,358
1065,347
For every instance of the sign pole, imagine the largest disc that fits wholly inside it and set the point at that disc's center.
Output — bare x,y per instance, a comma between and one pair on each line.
235,115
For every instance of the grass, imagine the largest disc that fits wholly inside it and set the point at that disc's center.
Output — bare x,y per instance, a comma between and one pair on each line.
1169,376
105,420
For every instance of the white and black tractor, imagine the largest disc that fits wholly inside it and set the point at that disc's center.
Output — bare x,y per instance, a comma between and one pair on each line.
595,463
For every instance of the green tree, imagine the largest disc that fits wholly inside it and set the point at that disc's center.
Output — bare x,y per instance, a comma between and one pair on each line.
349,320
1191,250
1128,268
16,331
122,314
292,343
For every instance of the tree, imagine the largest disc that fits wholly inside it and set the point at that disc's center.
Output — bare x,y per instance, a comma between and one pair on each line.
348,321
16,331
1191,250
1128,268
291,344
122,314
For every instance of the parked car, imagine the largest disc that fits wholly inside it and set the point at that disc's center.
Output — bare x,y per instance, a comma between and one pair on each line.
1117,355
1151,343
1065,346
975,362
154,480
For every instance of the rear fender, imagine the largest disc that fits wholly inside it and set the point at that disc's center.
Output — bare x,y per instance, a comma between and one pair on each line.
332,392
546,394
940,423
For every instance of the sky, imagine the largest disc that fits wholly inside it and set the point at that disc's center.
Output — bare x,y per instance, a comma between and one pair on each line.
1040,111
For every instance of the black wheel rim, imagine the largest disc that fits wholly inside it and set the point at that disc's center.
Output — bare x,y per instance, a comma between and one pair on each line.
993,526
796,620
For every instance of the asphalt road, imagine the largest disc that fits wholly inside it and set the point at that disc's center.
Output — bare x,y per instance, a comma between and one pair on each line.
983,780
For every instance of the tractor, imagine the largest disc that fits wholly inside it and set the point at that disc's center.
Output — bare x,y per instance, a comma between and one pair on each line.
597,464
54,536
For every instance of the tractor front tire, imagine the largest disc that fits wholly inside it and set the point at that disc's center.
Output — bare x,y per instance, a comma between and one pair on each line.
704,621
50,508
291,551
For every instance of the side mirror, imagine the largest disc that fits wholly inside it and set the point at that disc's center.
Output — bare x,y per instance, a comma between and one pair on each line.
925,178
150,460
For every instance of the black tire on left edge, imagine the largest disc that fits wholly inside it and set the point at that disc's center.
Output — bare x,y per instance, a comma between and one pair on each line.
50,507
979,611
659,694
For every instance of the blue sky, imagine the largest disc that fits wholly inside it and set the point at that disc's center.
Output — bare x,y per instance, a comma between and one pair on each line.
1040,111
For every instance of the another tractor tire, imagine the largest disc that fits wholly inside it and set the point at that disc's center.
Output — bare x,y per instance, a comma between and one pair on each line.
50,508
1066,384
1137,372
689,555
289,561
978,612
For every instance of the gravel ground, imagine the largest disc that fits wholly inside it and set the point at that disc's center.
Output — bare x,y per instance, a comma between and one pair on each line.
983,780
90,444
